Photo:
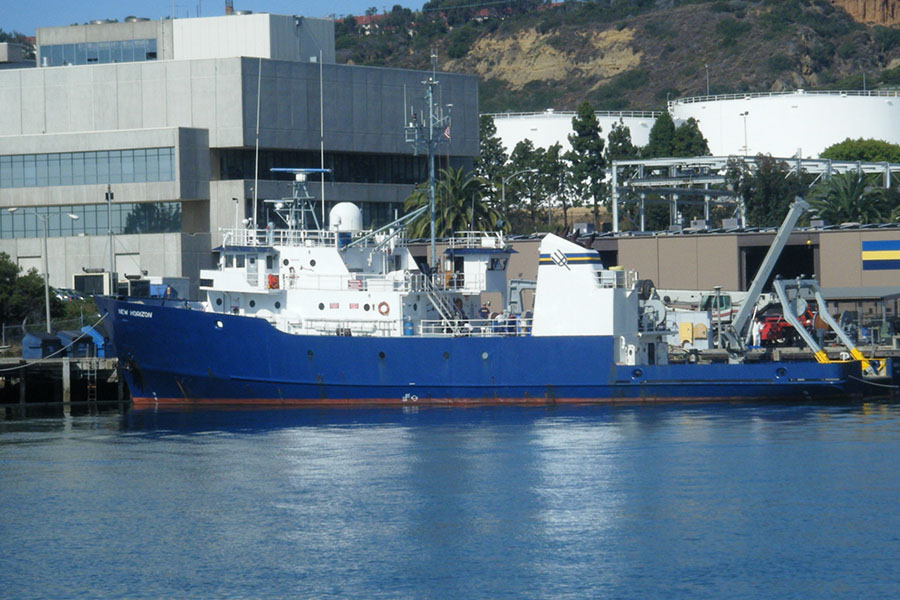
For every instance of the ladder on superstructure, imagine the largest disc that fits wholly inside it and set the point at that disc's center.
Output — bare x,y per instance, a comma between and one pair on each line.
445,310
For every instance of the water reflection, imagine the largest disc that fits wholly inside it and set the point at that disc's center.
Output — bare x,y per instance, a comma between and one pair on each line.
637,501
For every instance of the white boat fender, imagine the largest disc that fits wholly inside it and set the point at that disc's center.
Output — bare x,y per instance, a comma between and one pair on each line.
383,308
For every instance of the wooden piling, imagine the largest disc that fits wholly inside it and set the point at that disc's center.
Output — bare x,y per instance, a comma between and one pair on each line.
67,387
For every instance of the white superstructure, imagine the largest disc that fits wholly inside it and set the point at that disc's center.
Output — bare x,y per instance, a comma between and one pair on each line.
800,123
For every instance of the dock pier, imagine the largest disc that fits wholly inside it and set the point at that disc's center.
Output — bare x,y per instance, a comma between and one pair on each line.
60,386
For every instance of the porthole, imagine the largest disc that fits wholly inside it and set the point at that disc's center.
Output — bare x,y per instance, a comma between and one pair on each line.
218,302
484,355
446,355
309,354
278,305
312,263
366,307
321,306
637,373
381,355
285,262
219,325
252,303
780,372
415,307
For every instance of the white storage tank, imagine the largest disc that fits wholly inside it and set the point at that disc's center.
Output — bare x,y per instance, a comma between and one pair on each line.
786,124
345,217
550,127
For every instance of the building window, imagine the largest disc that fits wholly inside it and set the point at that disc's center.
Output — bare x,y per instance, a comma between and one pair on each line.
84,168
93,219
89,53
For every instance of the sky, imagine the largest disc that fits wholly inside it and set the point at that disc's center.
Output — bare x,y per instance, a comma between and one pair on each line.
26,16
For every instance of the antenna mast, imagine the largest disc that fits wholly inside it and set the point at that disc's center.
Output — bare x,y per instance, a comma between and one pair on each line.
427,135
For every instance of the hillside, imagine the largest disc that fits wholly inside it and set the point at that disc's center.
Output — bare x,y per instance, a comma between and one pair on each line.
635,54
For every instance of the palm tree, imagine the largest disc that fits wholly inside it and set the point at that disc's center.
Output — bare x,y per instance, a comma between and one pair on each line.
459,205
849,197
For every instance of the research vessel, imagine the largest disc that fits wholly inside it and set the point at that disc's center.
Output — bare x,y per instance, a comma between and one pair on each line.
309,315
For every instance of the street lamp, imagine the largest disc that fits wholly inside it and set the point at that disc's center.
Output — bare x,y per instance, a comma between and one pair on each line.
744,114
44,255
503,187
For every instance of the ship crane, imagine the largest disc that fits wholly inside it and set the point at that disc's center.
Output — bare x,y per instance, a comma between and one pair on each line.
733,335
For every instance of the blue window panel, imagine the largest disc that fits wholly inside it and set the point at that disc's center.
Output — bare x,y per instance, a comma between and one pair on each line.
52,170
103,167
5,171
152,164
140,166
65,168
68,54
103,50
78,168
30,170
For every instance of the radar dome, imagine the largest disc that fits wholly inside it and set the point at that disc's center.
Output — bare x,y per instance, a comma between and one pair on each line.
345,216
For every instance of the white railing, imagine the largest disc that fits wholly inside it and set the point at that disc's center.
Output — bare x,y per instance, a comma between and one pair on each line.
638,114
304,238
338,282
409,283
617,279
350,327
477,239
749,95
500,327
447,282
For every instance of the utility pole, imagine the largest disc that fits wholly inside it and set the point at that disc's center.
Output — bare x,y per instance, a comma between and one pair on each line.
112,253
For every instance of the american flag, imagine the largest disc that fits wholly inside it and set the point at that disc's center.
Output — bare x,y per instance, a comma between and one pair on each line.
447,132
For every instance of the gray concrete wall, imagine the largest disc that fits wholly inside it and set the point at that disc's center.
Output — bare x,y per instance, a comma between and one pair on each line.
364,107
201,94
158,254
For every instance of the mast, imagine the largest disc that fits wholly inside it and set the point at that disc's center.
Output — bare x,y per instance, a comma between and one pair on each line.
428,135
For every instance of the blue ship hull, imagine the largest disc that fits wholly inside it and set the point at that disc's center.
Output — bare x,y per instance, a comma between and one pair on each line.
174,356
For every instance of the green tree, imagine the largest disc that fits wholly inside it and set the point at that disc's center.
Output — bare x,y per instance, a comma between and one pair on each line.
618,143
553,182
849,197
768,190
863,150
586,157
459,199
688,141
491,160
662,137
22,294
524,156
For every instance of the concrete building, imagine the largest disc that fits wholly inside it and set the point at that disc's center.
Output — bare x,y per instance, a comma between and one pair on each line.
164,115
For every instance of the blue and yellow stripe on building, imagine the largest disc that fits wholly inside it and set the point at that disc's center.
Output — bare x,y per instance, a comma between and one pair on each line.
880,255
572,258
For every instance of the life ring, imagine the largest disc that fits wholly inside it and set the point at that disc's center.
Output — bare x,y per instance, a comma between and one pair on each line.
383,308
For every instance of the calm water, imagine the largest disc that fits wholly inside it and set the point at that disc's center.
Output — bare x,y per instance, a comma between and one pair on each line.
721,501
